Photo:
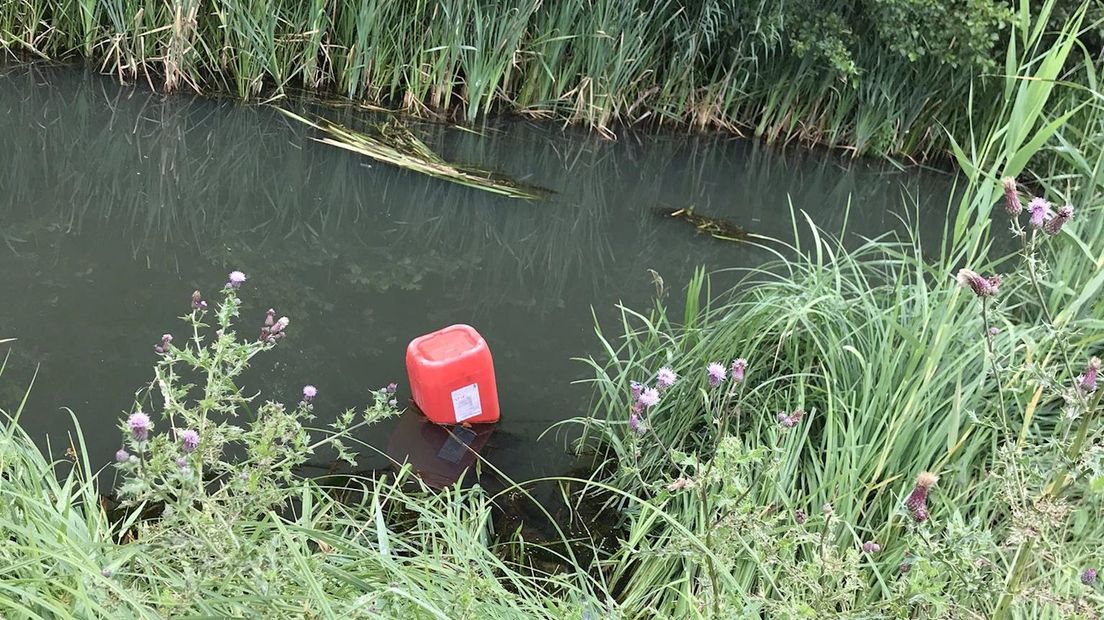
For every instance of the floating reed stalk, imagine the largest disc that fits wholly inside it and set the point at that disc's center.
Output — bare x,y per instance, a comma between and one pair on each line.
398,146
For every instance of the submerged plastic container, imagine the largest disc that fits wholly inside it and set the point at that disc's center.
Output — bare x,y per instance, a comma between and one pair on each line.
452,376
438,454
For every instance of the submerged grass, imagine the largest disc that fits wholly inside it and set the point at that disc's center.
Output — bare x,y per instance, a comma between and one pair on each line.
714,227
398,146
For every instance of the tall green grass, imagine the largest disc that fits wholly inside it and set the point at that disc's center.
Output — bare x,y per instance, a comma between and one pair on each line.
718,63
888,359
390,549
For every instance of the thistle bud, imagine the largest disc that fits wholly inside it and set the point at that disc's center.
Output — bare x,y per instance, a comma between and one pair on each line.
1087,381
917,502
163,347
981,286
197,302
1012,202
1088,577
739,367
1054,226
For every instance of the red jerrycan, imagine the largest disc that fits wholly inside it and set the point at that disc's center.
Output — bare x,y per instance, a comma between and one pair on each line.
452,376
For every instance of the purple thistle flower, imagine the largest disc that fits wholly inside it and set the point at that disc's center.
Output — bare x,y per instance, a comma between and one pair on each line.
1039,211
270,317
871,547
1054,226
1087,381
392,387
800,517
716,374
636,424
1088,576
140,425
163,348
122,456
982,287
1012,202
636,388
309,392
665,378
189,439
782,416
236,279
738,368
649,397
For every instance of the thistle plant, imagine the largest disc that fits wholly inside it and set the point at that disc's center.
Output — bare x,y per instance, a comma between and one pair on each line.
197,441
1077,390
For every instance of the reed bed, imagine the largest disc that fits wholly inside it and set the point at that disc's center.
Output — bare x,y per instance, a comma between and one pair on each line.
832,73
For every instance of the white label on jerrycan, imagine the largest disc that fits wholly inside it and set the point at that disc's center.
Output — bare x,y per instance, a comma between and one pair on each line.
465,402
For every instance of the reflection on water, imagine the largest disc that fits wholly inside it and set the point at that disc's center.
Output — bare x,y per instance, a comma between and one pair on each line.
115,203
439,455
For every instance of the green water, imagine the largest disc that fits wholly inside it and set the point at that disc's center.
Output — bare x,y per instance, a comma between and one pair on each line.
116,203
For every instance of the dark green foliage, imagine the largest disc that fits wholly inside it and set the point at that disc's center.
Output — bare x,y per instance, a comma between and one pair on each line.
871,75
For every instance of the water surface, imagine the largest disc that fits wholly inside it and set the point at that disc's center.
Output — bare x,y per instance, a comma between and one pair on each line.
116,202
